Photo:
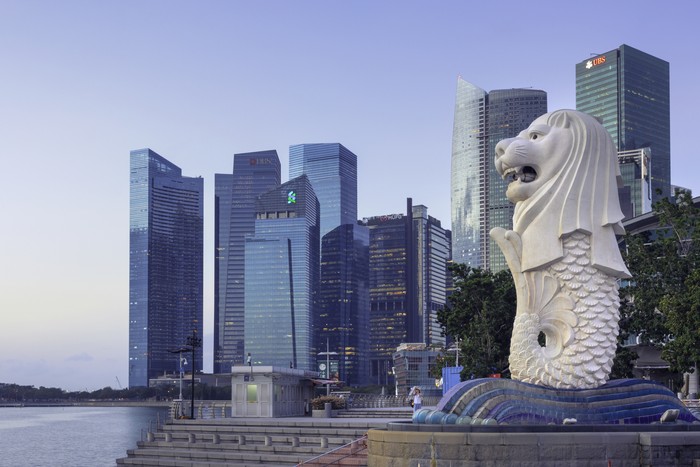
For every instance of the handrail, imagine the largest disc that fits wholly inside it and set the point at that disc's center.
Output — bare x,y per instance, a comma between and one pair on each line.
359,401
360,443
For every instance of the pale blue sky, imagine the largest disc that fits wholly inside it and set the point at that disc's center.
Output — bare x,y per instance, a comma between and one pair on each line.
84,82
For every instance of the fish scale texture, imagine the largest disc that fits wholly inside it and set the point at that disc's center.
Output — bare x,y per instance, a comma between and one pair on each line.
582,314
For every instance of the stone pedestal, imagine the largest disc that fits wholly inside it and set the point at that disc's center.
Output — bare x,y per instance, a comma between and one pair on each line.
529,447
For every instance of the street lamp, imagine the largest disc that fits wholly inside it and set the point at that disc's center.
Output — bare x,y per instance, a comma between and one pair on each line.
193,342
455,350
183,362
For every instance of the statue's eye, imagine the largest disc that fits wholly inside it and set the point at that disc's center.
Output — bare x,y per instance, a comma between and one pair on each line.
534,136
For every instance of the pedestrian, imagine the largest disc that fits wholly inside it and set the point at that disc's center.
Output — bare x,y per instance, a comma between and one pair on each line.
417,400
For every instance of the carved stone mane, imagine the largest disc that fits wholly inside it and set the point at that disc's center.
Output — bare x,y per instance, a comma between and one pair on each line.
582,196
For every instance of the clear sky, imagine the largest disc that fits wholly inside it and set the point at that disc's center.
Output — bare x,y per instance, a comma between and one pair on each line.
84,82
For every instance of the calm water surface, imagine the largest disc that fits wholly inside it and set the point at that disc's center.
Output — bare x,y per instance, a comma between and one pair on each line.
72,436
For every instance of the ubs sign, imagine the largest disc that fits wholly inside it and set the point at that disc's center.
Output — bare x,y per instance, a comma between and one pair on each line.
595,62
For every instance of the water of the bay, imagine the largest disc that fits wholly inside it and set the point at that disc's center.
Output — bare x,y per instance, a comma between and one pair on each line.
72,436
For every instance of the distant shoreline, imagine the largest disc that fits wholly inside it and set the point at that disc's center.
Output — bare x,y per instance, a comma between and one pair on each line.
86,404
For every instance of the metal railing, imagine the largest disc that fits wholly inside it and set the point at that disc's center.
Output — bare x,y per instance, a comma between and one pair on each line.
202,409
153,426
371,401
354,449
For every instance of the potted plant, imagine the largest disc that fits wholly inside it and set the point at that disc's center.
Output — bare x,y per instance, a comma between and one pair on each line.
320,409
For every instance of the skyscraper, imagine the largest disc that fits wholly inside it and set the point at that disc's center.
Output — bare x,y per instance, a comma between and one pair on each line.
342,324
433,247
281,276
332,170
166,263
343,319
478,198
628,91
408,261
635,194
254,173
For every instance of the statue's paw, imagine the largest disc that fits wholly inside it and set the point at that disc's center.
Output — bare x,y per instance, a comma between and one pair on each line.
498,233
510,244
515,240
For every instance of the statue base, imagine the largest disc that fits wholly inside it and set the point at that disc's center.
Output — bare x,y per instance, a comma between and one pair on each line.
410,444
493,401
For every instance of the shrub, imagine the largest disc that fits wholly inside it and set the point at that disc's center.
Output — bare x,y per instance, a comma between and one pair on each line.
319,403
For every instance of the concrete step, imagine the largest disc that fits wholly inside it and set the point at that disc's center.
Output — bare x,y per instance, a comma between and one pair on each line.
215,456
308,446
345,456
266,442
147,462
403,415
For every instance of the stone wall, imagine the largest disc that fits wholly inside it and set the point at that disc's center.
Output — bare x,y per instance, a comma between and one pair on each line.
620,449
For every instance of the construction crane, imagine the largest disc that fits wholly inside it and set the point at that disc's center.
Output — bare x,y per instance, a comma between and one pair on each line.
118,382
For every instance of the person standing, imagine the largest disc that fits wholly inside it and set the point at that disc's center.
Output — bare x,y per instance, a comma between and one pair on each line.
417,400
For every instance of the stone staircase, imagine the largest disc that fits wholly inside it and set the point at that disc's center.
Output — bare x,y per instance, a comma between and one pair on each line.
243,442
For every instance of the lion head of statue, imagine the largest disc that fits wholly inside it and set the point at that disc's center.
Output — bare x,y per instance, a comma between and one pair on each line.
564,176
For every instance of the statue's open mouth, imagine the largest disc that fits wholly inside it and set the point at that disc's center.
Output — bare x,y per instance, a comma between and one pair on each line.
524,174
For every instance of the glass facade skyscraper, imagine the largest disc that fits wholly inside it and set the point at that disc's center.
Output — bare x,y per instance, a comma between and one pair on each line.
281,276
342,324
508,112
165,265
332,170
478,200
433,247
408,261
628,91
469,175
253,174
343,320
635,195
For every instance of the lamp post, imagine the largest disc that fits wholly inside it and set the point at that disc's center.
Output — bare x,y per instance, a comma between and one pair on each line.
193,342
456,350
183,362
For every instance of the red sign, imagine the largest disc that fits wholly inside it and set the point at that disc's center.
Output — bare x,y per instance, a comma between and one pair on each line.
595,62
598,61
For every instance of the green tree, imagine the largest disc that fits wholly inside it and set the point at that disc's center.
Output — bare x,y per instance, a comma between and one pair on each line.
480,313
623,363
663,300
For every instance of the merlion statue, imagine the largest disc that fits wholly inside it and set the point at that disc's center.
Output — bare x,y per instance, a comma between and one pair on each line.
562,250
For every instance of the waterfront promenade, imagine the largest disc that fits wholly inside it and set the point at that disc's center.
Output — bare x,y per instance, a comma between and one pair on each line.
96,403
385,437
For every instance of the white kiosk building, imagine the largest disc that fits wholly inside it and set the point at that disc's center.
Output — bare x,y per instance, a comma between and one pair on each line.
271,391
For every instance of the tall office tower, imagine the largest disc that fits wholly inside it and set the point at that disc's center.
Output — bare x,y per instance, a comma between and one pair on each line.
343,320
433,252
628,91
332,169
635,195
166,265
254,173
281,276
478,198
408,283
